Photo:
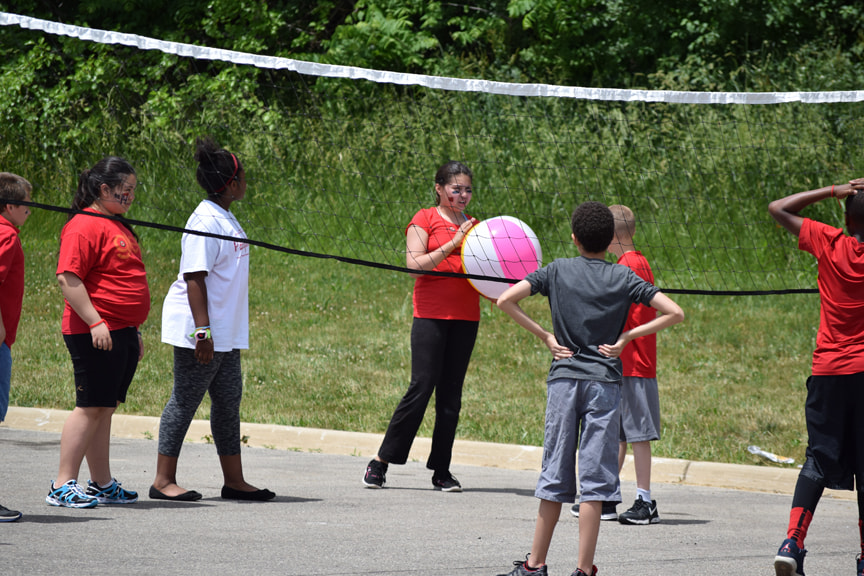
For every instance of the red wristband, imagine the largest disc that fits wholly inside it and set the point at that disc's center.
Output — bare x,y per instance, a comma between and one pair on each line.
832,190
101,321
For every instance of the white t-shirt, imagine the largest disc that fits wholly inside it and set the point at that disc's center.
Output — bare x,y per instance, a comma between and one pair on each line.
227,265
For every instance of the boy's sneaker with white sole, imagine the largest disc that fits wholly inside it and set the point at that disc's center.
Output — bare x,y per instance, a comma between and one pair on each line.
789,560
641,513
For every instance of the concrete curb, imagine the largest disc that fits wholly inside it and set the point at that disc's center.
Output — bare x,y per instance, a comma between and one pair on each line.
768,479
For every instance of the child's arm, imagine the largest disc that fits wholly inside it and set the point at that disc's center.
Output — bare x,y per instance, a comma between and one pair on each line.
785,210
509,303
417,254
670,314
196,294
76,294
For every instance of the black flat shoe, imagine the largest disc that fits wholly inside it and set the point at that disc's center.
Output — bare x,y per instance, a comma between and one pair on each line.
229,493
188,496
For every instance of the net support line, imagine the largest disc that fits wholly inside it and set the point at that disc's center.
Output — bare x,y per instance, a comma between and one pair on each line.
433,82
259,243
347,260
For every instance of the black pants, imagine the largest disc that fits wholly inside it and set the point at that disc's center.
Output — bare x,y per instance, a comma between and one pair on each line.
440,353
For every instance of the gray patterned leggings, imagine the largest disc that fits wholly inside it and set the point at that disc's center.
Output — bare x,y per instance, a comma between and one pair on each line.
222,379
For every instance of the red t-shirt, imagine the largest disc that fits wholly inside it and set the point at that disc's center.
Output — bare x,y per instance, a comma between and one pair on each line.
106,257
840,340
441,297
639,357
11,278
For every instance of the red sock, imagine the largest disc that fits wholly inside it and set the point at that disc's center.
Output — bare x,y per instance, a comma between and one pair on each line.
799,522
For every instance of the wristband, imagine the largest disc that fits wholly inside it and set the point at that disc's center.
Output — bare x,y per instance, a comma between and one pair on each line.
832,190
202,333
101,321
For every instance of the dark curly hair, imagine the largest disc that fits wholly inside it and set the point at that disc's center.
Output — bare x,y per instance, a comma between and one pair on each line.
855,210
217,167
593,226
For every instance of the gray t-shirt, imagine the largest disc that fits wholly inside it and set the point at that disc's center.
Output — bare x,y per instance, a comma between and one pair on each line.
589,299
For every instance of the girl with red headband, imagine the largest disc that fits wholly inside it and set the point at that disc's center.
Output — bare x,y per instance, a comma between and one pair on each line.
206,318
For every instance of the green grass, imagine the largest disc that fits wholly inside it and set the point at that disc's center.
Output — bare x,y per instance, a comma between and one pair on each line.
340,167
330,349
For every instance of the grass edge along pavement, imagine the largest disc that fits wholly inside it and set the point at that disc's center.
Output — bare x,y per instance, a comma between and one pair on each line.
768,479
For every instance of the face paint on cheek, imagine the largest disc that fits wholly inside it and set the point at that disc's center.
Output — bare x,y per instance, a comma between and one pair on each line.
123,199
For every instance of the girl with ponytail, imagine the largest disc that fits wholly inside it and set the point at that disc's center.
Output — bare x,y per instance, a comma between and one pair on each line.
104,284
206,318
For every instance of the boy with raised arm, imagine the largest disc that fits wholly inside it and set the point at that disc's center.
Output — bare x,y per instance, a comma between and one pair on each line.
835,389
589,300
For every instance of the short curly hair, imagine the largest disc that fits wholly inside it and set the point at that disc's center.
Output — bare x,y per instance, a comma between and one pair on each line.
855,209
593,226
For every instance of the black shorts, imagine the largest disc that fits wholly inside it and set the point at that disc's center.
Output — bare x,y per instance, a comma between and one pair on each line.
102,377
835,448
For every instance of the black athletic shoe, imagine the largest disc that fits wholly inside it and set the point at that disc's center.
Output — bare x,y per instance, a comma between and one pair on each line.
580,572
376,474
446,483
640,513
609,511
520,569
7,515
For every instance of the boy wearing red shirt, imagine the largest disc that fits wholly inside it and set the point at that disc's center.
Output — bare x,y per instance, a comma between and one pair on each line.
16,189
640,397
835,390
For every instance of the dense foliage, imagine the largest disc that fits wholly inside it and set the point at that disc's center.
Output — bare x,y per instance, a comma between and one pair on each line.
609,43
739,45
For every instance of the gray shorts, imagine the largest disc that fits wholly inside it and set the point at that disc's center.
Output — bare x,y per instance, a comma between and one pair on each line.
583,415
640,410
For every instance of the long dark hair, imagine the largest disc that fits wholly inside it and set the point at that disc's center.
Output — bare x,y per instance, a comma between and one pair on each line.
217,167
111,170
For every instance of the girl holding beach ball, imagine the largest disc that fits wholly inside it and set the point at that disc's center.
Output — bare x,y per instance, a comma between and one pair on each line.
446,319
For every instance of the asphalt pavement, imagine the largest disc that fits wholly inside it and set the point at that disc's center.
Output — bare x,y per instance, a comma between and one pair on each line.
715,519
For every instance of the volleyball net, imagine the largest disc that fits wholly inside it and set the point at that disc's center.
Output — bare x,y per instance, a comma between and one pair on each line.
338,158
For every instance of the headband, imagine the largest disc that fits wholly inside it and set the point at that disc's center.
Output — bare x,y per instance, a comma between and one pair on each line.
233,174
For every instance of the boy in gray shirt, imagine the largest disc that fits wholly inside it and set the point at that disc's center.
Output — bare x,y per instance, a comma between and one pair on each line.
589,300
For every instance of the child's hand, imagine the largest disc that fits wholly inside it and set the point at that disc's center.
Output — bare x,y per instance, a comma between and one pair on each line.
558,352
854,187
101,337
464,228
614,350
204,350
468,225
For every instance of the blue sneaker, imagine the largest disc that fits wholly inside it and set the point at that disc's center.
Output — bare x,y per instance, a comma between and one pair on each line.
70,495
860,559
113,494
790,559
